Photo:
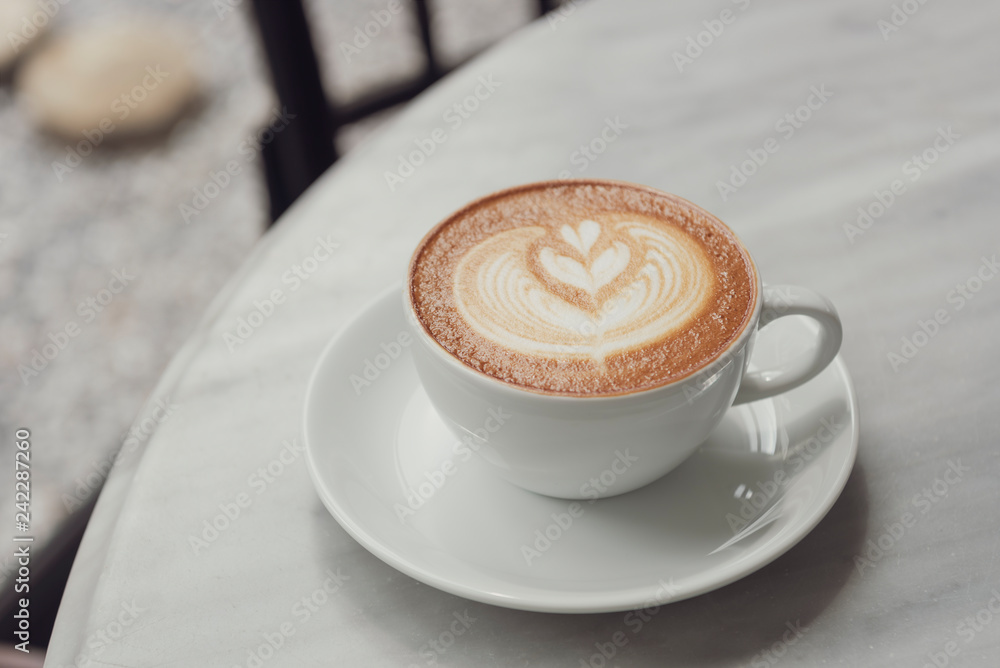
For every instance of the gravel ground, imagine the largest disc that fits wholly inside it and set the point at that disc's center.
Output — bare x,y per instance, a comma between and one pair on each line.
62,236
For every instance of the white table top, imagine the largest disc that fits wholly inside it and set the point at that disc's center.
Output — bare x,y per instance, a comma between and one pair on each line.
141,595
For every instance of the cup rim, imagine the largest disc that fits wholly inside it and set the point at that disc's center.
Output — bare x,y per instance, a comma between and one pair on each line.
748,326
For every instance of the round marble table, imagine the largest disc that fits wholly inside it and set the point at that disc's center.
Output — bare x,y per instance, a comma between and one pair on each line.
854,146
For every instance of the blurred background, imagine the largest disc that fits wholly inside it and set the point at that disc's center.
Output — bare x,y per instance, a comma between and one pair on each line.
113,240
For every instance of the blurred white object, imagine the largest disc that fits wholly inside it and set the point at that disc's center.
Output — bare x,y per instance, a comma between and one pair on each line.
124,78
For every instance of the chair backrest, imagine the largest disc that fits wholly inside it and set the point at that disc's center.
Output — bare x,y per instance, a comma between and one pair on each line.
296,156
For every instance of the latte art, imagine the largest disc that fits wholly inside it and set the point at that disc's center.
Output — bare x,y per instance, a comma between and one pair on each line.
593,292
582,287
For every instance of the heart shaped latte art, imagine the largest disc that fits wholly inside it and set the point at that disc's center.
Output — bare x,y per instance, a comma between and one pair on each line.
584,291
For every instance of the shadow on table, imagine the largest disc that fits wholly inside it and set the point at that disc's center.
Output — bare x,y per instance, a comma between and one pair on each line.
758,618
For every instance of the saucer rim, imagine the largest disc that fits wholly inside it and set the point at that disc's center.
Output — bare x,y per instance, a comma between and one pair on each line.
563,602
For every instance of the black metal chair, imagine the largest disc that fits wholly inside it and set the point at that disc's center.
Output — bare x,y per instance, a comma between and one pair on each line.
298,155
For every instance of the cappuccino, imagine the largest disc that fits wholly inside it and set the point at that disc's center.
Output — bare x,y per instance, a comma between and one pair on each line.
583,287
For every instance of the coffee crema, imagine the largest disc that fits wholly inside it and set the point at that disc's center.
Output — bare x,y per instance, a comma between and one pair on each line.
583,287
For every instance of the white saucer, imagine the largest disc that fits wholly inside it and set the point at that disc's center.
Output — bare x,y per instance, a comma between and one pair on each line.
475,534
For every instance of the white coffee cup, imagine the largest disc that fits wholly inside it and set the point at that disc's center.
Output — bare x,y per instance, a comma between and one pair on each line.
577,447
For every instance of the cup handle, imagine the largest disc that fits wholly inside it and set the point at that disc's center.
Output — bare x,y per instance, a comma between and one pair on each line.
779,301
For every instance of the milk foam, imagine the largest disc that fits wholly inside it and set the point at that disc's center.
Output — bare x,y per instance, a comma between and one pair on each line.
582,287
587,290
